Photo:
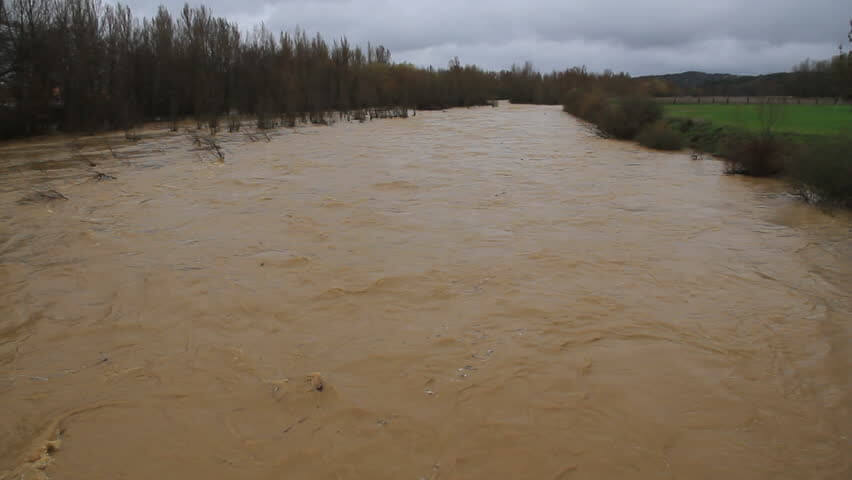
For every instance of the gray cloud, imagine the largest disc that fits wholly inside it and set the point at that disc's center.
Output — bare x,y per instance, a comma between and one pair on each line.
641,37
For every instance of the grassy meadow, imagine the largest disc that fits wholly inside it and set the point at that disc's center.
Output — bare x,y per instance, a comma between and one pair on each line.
790,119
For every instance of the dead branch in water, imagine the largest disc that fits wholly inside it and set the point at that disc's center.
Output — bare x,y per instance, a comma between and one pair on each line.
131,135
42,196
213,124
111,152
388,112
234,123
196,138
213,146
209,143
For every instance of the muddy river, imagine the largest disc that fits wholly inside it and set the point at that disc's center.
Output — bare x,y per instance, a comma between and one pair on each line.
484,293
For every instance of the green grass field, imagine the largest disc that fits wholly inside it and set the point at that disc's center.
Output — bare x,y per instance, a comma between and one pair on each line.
796,119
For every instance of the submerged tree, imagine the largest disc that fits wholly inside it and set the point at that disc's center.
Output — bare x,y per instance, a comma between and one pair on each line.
81,66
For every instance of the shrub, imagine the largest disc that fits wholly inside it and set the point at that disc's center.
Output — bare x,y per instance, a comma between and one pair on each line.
640,110
659,136
613,121
620,118
586,105
625,117
571,101
591,105
756,155
821,171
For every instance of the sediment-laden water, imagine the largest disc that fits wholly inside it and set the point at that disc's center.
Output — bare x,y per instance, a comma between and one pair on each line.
486,293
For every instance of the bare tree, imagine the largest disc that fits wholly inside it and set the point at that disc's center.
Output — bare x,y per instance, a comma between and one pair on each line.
81,65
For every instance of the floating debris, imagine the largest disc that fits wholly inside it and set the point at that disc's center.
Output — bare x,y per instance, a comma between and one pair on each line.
315,381
290,427
485,356
100,176
276,383
43,196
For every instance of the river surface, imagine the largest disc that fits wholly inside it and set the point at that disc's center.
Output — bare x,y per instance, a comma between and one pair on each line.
485,293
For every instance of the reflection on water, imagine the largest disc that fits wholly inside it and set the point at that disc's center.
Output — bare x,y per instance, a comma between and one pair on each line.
487,293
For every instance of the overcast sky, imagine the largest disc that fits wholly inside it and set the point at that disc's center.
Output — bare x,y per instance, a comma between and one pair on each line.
637,36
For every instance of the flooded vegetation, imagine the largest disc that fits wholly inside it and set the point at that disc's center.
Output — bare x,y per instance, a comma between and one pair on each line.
84,66
476,293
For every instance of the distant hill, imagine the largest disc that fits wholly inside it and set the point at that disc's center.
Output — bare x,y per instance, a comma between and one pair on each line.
701,83
693,79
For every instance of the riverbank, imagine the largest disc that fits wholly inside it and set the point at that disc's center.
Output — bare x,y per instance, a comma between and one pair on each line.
817,166
811,151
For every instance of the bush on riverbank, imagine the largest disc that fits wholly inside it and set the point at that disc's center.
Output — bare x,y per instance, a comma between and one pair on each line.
585,105
822,171
659,136
759,155
621,117
699,134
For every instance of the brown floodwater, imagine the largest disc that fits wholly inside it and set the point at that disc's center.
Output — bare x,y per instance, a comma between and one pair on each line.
485,293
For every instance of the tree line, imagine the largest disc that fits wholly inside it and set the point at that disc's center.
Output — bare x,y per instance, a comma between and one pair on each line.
526,85
77,65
